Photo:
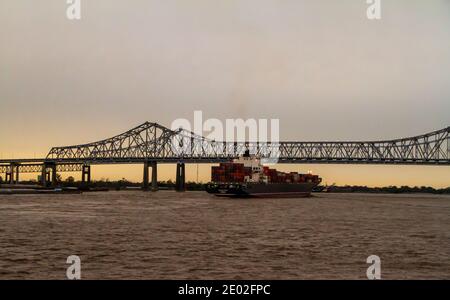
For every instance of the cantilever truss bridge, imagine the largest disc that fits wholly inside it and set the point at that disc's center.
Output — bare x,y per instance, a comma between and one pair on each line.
151,143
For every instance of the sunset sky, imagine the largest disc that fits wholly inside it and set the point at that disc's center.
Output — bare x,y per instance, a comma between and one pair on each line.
320,67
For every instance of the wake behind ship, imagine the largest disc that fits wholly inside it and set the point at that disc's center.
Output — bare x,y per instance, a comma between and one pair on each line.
247,177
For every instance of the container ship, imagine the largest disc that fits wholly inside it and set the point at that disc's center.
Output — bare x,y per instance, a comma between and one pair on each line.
247,177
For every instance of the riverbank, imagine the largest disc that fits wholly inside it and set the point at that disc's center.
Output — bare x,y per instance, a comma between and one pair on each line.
193,186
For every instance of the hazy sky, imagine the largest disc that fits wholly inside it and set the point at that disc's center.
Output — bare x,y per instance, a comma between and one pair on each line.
321,67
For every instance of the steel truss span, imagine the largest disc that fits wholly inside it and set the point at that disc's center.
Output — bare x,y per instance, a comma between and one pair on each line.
151,141
36,168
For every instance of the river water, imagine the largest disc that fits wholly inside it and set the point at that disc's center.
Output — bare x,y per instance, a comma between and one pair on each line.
193,235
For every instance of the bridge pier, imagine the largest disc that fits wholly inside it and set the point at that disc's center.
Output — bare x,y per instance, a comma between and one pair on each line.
86,174
11,173
145,177
53,167
45,174
154,176
145,181
17,173
180,185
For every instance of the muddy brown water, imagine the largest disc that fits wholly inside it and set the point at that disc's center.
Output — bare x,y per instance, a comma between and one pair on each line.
193,235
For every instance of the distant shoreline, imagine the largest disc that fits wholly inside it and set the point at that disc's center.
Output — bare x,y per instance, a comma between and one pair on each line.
193,186
388,190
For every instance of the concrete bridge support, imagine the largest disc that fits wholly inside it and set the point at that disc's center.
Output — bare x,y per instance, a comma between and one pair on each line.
45,174
145,177
86,174
154,176
53,167
17,173
145,182
11,173
180,185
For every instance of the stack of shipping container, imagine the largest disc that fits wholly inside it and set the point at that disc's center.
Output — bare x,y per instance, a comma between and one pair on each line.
236,172
230,172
